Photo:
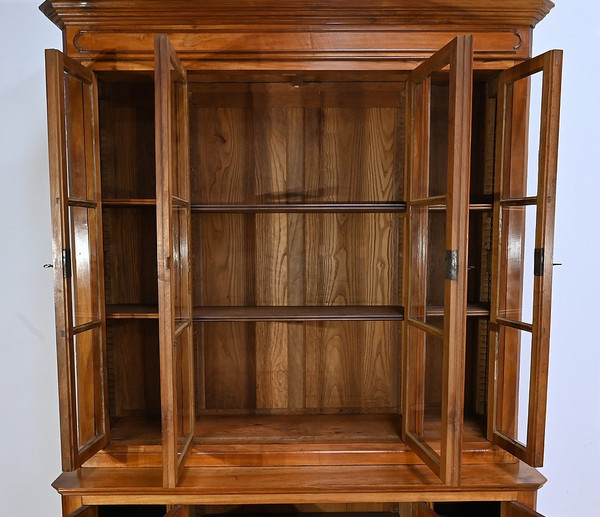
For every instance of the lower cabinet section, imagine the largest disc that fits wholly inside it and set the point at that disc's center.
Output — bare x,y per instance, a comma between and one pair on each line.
451,509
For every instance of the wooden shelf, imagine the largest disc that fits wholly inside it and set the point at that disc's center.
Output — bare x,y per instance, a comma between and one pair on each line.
473,207
129,202
287,440
304,313
128,312
303,207
291,313
297,484
473,309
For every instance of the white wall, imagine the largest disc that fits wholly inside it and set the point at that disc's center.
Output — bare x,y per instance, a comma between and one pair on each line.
29,440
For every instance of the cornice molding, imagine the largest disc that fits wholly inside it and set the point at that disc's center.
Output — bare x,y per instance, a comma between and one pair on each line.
295,14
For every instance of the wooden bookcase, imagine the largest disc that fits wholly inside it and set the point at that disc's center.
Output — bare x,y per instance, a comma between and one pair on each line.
303,255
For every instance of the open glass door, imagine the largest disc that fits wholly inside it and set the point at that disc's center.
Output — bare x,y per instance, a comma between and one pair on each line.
77,248
522,256
438,162
173,231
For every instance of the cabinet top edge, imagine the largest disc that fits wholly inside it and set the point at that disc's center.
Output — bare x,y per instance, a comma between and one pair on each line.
330,14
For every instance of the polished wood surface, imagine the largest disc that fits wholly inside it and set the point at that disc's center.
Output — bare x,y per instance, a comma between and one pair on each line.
231,485
258,301
296,34
295,313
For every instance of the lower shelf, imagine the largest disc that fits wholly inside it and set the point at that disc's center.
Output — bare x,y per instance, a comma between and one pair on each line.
296,485
285,440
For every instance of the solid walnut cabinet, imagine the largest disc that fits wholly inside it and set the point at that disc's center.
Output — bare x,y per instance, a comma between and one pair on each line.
303,255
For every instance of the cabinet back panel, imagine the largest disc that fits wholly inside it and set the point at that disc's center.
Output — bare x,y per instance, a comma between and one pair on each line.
126,112
297,259
133,368
130,274
280,367
273,143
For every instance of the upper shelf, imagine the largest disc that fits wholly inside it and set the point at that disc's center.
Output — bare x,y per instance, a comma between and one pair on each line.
295,313
288,313
303,207
132,202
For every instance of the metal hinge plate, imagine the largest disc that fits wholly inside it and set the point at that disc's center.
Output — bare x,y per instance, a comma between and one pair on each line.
538,261
451,264
66,263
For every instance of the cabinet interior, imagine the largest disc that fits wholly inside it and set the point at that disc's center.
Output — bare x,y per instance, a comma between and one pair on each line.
297,189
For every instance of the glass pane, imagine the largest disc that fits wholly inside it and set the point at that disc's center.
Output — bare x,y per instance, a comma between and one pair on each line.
513,374
88,388
430,137
438,137
425,387
78,124
179,147
427,272
524,126
181,284
517,257
184,379
84,265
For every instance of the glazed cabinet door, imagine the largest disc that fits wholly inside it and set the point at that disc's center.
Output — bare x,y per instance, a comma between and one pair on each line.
524,201
173,233
77,248
438,159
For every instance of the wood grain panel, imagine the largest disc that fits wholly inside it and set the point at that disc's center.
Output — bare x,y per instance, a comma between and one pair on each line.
271,273
351,258
127,140
223,254
230,365
130,238
348,365
134,369
221,155
350,154
272,366
277,153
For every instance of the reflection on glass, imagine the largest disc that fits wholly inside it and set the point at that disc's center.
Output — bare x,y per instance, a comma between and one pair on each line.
84,264
78,100
438,137
180,263
184,386
87,384
513,378
425,387
525,113
517,263
179,179
428,265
